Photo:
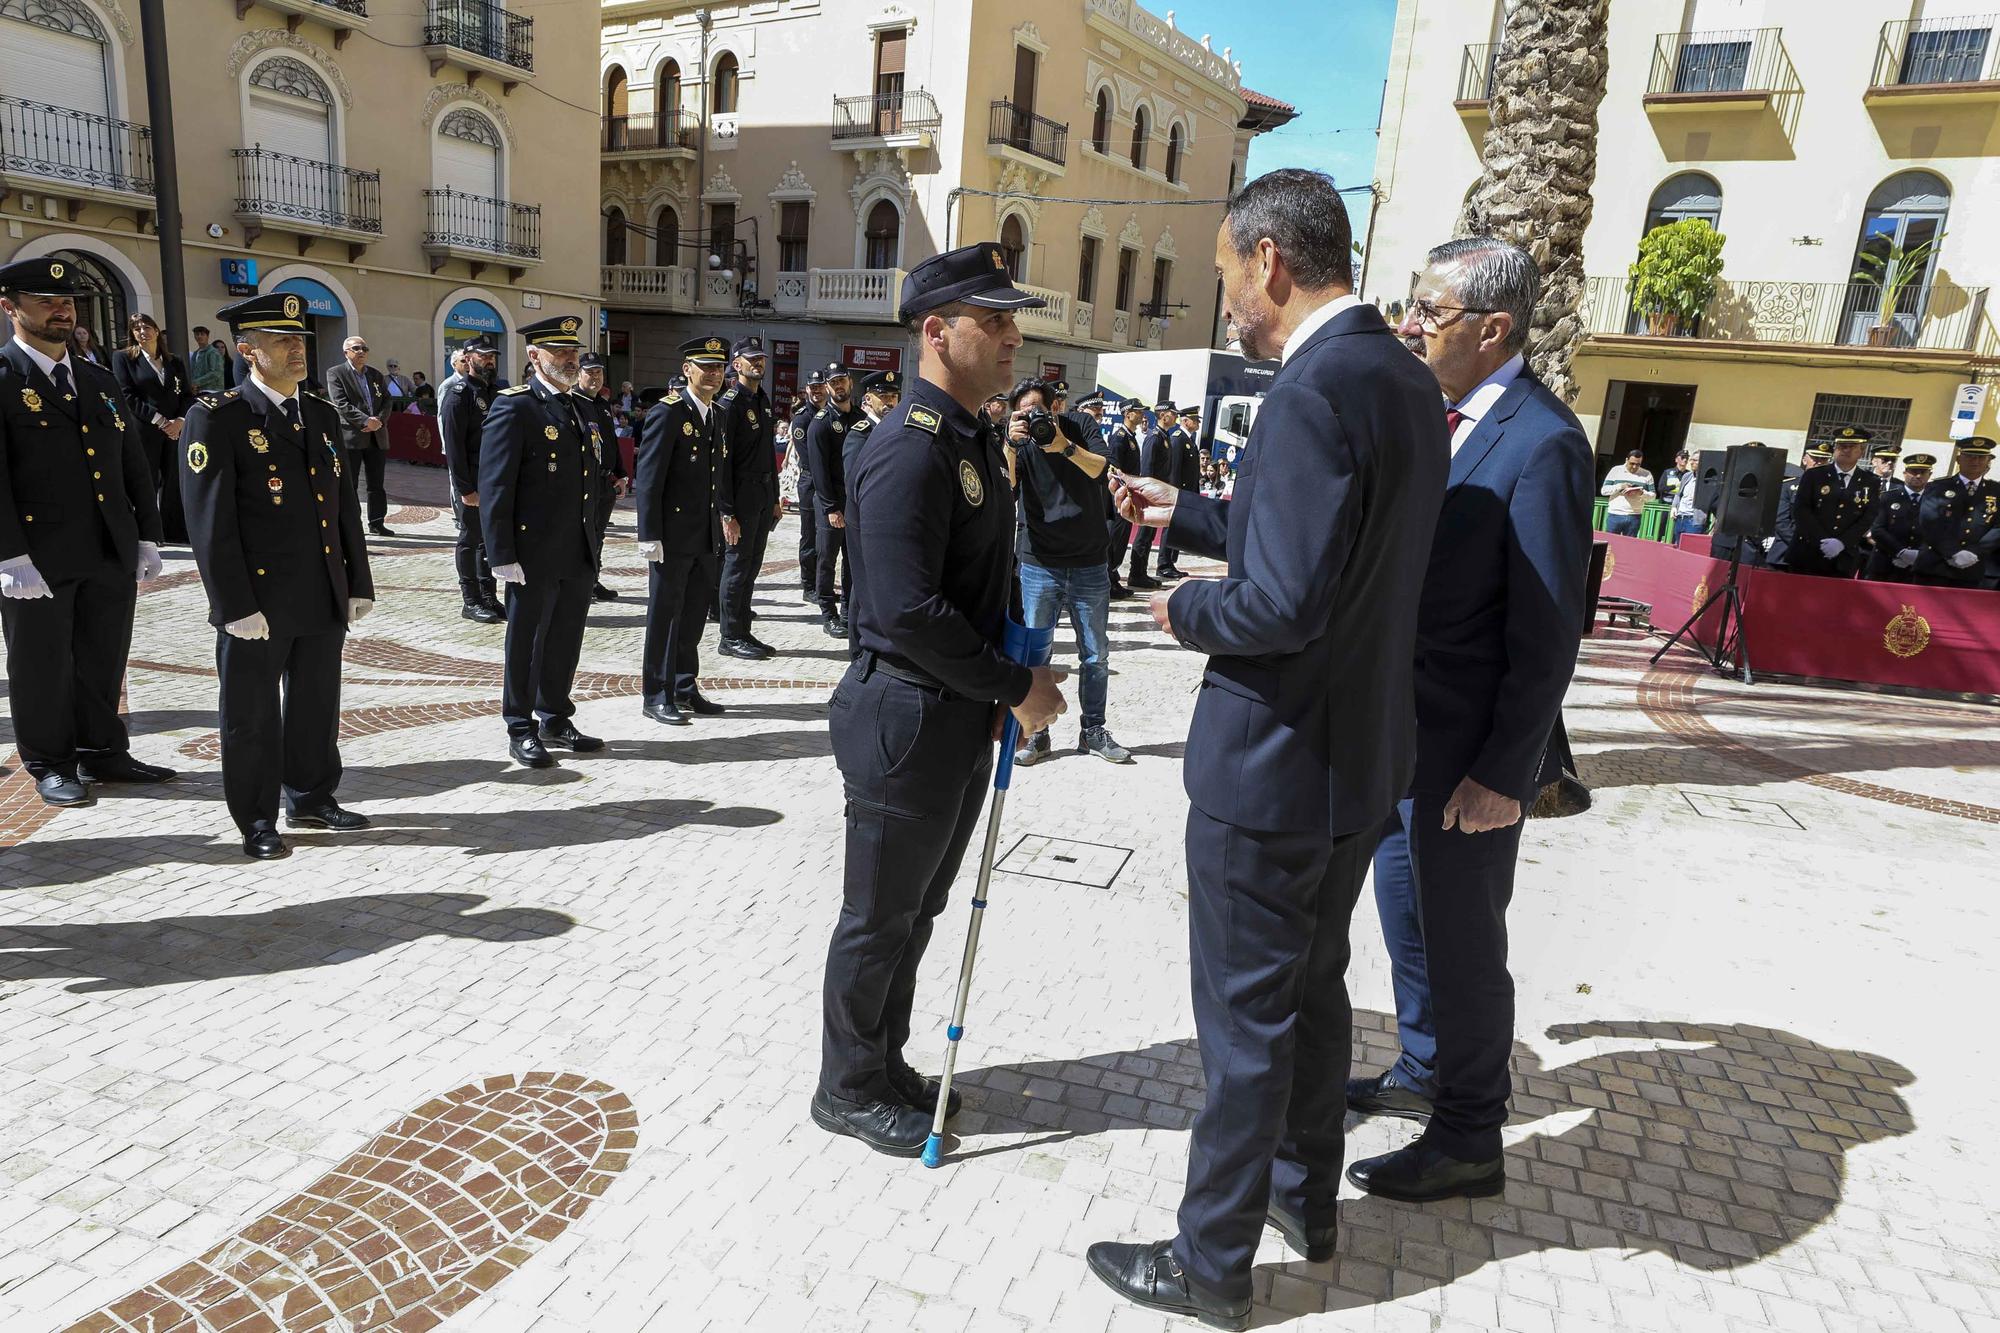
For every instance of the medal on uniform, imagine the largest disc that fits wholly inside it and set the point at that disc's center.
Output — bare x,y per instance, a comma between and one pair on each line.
276,486
258,442
32,399
752,414
687,428
551,432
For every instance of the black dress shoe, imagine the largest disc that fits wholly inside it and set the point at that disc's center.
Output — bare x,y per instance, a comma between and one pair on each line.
528,752
921,1092
1119,591
563,735
1385,1094
330,816
760,645
1313,1244
121,768
493,604
1142,581
264,844
380,529
744,649
809,594
1168,573
1420,1173
835,627
887,1127
668,714
485,615
697,702
1149,1275
603,594
63,789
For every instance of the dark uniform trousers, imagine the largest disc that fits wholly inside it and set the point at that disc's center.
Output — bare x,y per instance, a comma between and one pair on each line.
270,743
374,463
543,641
677,593
914,761
808,535
829,551
740,564
475,571
1142,550
66,667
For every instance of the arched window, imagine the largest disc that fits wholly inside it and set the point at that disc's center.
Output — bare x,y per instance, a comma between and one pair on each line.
667,102
884,235
1899,246
106,303
1691,194
1141,131
290,111
614,235
56,53
1100,123
727,80
1014,246
466,160
617,111
1174,154
667,237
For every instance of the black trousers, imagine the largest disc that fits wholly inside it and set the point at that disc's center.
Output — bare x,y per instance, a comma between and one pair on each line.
373,463
830,550
740,564
677,592
165,457
66,665
1142,550
543,641
1268,918
1120,533
280,716
914,763
475,572
808,535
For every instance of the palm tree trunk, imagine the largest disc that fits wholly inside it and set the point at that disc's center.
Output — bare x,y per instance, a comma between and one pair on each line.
1541,159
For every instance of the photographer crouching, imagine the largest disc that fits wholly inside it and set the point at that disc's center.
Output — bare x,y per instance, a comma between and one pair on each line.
1060,540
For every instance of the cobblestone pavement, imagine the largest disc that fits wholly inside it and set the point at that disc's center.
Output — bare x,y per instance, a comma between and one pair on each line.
534,1052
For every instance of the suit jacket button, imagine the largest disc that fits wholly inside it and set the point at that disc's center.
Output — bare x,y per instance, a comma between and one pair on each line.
524,527
320,498
322,522
100,499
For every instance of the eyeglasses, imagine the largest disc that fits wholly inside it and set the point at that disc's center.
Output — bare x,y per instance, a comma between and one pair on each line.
1430,315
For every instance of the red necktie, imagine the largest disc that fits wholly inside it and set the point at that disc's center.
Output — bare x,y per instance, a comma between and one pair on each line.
1452,416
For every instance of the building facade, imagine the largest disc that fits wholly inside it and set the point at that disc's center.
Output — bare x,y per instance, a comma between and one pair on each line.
418,172
1823,141
776,168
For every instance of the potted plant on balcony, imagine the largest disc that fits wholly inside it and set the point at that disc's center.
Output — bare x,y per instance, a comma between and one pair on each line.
1675,277
1891,269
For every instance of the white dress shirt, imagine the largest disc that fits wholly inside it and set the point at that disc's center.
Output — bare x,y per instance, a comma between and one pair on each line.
43,363
1312,323
1475,405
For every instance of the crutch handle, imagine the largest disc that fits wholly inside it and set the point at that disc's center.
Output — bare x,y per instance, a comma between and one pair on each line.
1031,648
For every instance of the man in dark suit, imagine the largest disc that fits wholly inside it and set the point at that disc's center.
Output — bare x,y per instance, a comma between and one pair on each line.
1303,735
276,530
1159,457
1497,634
538,479
361,396
1831,510
748,433
593,402
78,522
462,407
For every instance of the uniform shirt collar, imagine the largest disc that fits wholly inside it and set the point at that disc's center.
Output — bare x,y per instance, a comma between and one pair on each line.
700,408
43,363
1313,323
954,413
278,400
550,385
1488,391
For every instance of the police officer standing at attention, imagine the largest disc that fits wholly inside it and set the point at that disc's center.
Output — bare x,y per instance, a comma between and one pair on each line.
802,416
276,528
462,409
933,529
1959,520
595,409
683,485
1831,510
824,440
79,521
1159,456
879,392
1892,527
538,485
1123,451
747,432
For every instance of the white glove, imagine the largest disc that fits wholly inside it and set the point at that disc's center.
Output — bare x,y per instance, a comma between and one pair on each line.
1964,559
19,578
652,552
149,562
1906,557
1831,547
1769,542
510,574
252,626
358,607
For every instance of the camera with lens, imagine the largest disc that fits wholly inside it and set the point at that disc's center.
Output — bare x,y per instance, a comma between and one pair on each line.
1042,428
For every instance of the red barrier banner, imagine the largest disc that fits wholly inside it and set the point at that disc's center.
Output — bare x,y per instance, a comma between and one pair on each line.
1832,629
415,439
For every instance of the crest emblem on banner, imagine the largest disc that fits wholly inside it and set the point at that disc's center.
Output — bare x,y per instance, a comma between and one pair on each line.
1907,634
1700,595
1610,563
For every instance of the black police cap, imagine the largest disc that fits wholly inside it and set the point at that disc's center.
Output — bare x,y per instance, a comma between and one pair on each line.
817,377
41,277
836,371
975,274
272,312
1851,435
555,331
1979,446
480,347
652,393
1165,407
1925,461
883,381
591,361
750,346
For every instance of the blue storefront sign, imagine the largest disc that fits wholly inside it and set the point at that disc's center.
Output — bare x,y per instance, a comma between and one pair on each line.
319,298
472,316
239,277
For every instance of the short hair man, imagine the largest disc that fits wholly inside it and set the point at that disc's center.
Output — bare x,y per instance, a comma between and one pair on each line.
463,405
361,398
1832,510
205,363
808,507
1629,485
1892,526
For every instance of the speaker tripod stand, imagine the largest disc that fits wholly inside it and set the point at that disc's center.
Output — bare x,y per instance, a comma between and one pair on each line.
1731,654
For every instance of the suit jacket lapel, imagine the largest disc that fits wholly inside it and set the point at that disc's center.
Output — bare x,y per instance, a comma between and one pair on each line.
1486,432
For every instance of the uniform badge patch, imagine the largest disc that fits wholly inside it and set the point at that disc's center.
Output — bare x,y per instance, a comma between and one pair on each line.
258,442
551,432
968,481
838,427
752,414
925,419
1826,490
32,400
197,457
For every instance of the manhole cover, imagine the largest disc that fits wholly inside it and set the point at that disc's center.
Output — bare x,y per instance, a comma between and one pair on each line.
1089,863
1768,813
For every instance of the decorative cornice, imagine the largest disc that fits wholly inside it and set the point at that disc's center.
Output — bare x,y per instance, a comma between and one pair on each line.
1132,234
1028,35
793,187
444,94
1093,223
879,169
1163,36
721,188
1164,247
892,16
254,43
118,20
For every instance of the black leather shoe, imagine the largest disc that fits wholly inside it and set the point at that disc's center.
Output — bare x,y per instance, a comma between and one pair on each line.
1148,1275
759,644
1142,581
887,1127
1119,592
1385,1094
264,844
528,752
63,789
601,593
921,1092
668,714
1168,573
744,649
1420,1173
563,735
835,627
499,611
809,594
1313,1244
380,529
330,816
121,768
485,615
699,703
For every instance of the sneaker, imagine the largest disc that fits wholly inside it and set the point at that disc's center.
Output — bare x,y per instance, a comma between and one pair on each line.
1034,749
1097,741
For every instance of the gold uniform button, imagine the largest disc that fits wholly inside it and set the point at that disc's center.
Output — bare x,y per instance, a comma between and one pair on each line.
90,453
524,527
86,430
320,498
260,571
322,522
327,549
100,499
28,518
97,476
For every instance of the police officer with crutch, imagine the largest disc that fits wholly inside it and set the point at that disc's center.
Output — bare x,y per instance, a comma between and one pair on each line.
931,525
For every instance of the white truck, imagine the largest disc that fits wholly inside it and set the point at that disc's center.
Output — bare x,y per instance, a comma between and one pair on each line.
1229,389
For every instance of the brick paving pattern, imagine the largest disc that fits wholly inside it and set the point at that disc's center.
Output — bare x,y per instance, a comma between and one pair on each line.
1753,1080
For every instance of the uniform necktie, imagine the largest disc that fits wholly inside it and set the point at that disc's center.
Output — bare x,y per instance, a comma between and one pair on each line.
62,382
292,413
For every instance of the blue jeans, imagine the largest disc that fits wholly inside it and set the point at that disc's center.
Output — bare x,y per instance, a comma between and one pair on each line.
1086,594
1686,523
1625,525
1403,933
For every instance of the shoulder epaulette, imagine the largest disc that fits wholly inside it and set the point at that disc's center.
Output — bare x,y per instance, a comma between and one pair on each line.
517,388
925,420
729,394
311,391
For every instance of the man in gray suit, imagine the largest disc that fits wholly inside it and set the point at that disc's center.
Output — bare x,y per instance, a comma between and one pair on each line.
361,396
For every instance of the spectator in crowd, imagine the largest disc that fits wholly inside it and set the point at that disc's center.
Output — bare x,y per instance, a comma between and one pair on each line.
156,387
361,397
400,388
1687,516
1629,485
83,345
1671,479
207,366
423,397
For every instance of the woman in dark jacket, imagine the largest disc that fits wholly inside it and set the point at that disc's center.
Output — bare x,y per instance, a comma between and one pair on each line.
159,393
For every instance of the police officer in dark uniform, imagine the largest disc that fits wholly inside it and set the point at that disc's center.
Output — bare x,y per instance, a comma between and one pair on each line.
1832,509
1187,463
683,483
1123,446
79,522
879,394
276,530
462,409
539,479
802,415
1159,456
595,409
824,439
913,719
1958,523
749,433
1892,527
1777,552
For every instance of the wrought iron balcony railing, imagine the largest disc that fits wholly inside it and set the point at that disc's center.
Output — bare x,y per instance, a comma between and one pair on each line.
1751,60
460,221
76,147
1946,49
911,111
652,133
1939,317
280,187
1019,128
1475,72
482,28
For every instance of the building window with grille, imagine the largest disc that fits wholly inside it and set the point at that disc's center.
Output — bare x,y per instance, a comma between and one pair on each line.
1100,124
1885,419
794,219
722,233
1086,271
1128,264
727,84
884,235
1163,272
1142,130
